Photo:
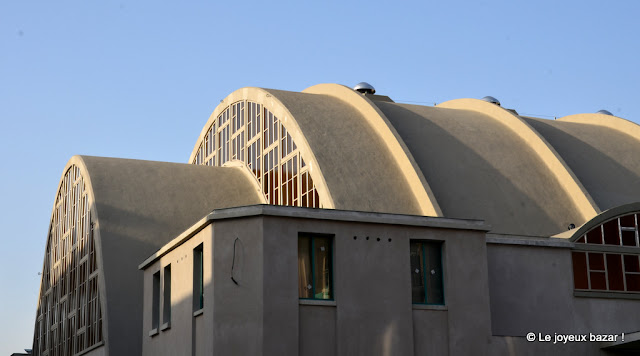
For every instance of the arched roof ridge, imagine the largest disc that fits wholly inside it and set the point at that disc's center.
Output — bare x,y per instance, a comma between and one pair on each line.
613,122
395,144
554,162
271,102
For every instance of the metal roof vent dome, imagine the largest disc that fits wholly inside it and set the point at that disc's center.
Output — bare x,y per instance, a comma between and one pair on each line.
491,100
605,112
364,88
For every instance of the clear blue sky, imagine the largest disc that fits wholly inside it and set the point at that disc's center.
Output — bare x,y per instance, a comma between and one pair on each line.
140,79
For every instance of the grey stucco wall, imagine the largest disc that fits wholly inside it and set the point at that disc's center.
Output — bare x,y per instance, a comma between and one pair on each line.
532,291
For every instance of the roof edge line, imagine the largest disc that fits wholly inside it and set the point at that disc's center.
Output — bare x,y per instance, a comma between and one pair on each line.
612,122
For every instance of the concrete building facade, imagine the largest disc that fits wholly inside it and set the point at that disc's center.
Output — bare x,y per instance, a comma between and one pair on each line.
402,230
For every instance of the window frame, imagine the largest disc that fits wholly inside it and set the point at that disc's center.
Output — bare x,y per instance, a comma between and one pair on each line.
198,279
312,237
155,303
425,286
166,297
595,241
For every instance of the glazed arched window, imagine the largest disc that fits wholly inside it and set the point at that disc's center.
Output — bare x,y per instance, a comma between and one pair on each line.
248,132
607,257
69,317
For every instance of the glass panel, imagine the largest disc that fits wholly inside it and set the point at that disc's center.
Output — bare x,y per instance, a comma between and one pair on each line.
322,267
155,302
580,279
433,272
166,303
633,282
614,272
628,221
611,232
598,281
304,268
417,273
595,236
631,263
596,261
628,238
198,278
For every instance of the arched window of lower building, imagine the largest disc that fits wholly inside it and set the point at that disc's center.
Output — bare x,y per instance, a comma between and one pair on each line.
607,257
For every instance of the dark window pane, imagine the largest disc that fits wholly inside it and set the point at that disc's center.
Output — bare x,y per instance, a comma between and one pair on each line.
594,236
614,272
631,263
628,221
198,278
596,261
580,240
611,233
628,238
633,282
417,273
598,281
433,272
166,303
580,279
304,267
322,267
155,303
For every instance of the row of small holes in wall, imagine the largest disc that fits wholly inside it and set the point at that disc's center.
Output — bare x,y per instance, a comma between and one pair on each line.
367,238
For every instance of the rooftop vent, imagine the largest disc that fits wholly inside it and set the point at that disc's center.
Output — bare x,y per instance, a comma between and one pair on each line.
364,88
604,112
491,100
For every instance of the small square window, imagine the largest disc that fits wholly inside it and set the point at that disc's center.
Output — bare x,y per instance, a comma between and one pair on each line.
315,267
426,272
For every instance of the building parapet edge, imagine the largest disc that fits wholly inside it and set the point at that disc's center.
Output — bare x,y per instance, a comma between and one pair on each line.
319,214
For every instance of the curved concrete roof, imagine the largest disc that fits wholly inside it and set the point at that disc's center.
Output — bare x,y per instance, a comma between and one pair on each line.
478,168
603,157
138,206
465,158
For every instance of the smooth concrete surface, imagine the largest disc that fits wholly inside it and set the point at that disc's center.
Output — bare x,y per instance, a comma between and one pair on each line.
317,334
138,206
479,169
430,332
360,171
602,158
532,290
394,144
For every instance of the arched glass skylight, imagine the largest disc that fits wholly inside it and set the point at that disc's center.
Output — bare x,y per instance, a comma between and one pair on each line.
248,132
69,317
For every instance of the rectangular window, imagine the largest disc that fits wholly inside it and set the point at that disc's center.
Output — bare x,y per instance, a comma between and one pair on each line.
155,303
198,281
315,267
166,301
426,272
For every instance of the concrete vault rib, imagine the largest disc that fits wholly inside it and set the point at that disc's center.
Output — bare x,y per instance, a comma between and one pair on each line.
582,200
395,145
